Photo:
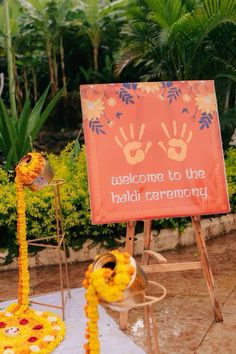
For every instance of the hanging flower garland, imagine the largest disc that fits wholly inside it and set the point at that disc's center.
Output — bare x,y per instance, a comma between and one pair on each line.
104,284
23,330
30,168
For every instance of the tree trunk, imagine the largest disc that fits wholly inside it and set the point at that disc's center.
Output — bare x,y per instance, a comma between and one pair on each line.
55,68
12,85
1,83
95,57
227,96
19,93
63,72
50,63
34,77
26,84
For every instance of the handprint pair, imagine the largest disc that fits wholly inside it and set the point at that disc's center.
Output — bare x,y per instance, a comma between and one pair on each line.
135,151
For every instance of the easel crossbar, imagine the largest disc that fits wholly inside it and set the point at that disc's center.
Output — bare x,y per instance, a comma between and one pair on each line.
171,267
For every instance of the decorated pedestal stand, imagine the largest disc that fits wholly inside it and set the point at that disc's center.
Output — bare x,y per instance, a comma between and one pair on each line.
60,247
22,329
116,281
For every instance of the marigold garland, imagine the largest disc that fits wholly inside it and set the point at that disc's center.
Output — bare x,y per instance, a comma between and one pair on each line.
23,330
104,284
28,171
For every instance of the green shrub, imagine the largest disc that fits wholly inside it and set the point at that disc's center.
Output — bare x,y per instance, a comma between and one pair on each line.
40,212
230,164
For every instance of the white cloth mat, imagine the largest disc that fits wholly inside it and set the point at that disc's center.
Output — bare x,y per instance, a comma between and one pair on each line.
112,339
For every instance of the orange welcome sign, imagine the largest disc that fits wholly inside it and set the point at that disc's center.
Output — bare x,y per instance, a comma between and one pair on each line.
153,150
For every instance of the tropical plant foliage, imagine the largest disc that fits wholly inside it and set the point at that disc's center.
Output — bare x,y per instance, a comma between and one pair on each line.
17,133
174,42
71,42
184,40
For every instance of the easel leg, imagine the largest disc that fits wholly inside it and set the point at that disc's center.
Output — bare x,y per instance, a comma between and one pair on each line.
154,331
147,240
129,242
129,247
148,329
206,267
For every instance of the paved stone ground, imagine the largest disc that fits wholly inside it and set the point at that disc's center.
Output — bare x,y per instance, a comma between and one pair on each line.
185,316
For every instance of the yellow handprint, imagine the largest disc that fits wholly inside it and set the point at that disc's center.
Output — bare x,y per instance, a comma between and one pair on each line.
177,146
134,150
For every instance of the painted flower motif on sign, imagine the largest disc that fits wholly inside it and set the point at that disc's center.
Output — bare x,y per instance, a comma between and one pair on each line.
200,88
161,97
186,98
95,92
149,87
111,101
206,103
93,109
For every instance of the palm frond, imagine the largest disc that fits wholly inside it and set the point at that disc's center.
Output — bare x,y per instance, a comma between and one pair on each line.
203,19
166,12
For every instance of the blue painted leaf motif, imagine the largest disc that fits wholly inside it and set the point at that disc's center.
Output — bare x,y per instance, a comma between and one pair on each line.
96,126
130,86
185,110
118,114
167,84
205,120
125,96
173,93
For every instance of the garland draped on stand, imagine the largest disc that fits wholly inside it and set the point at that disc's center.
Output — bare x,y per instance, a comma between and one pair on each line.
104,284
117,281
22,329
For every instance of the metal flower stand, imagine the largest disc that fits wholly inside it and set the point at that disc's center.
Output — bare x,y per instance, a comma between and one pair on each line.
149,320
60,247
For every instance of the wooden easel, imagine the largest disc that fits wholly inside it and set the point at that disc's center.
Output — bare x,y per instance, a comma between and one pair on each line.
129,247
164,266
